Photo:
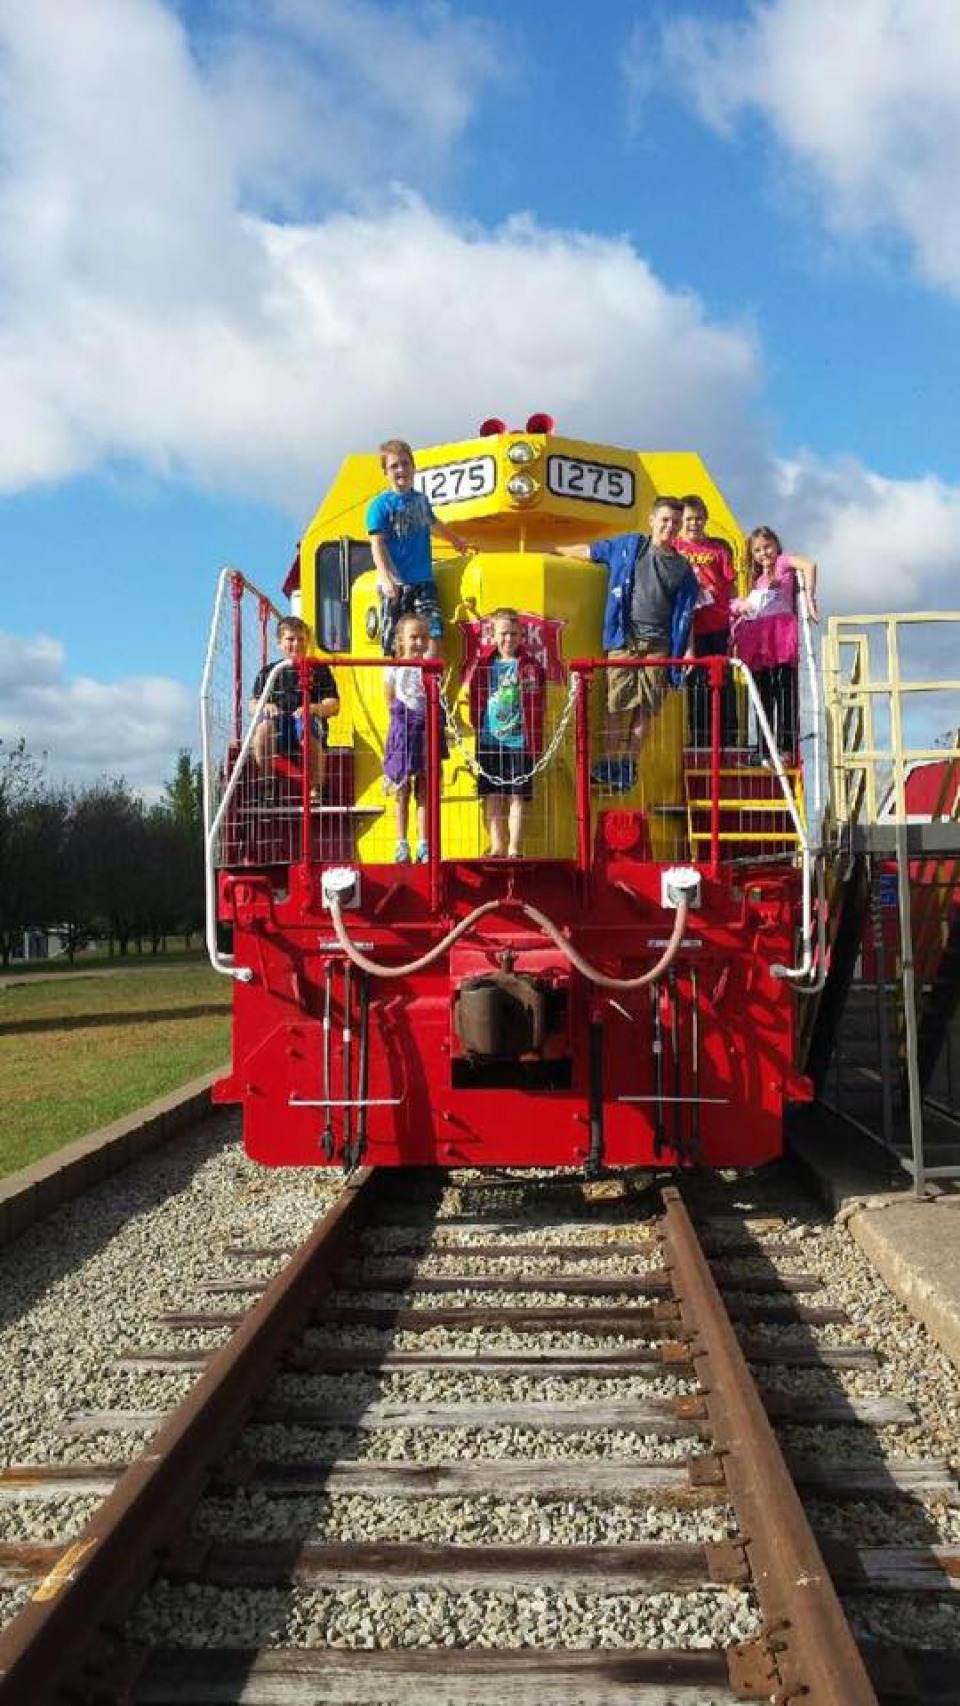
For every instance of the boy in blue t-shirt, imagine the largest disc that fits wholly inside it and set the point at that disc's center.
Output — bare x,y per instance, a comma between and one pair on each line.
400,522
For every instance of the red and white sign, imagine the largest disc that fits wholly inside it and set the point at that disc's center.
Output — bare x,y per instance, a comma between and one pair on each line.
540,636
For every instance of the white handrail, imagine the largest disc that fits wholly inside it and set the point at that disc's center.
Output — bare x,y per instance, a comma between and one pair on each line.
793,974
222,963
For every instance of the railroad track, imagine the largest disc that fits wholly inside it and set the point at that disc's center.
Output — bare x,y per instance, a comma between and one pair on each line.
592,1357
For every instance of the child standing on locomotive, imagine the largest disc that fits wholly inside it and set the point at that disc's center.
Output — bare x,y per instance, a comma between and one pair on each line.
507,687
405,752
651,595
280,719
765,632
400,522
712,563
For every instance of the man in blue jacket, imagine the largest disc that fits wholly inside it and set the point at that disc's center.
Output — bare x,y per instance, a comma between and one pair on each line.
651,595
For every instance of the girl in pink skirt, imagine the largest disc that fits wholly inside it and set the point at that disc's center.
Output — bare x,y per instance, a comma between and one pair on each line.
765,630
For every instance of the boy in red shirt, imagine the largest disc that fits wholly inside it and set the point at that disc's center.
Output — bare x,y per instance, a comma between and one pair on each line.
712,563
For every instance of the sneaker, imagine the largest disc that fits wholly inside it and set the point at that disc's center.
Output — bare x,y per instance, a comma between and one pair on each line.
423,853
402,855
617,774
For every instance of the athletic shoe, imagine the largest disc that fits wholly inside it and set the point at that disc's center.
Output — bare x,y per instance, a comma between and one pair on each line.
617,774
402,855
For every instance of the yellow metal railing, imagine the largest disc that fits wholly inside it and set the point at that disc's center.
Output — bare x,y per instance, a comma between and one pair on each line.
890,707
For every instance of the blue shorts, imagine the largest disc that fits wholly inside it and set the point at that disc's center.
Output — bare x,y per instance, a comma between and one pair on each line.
289,727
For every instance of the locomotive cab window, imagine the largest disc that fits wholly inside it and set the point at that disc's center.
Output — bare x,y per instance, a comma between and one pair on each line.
338,563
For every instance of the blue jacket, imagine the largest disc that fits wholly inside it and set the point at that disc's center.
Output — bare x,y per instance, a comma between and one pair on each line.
620,554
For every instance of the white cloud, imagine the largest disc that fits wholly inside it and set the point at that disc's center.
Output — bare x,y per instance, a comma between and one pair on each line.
148,312
348,96
863,94
882,544
91,729
147,316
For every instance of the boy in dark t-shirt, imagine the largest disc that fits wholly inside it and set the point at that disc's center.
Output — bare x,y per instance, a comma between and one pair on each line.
651,595
280,718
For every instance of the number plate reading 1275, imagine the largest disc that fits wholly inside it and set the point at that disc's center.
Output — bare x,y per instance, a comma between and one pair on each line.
597,482
458,482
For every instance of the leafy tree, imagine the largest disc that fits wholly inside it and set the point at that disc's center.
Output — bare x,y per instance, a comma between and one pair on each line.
105,857
20,782
184,795
184,807
95,860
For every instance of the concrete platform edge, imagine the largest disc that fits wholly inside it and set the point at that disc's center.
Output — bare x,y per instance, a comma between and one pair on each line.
894,1245
913,1245
28,1196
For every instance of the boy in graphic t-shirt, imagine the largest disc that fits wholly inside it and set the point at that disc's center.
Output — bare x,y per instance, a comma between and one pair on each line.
506,707
400,522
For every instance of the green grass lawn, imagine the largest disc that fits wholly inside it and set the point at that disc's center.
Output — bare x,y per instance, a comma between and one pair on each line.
78,1052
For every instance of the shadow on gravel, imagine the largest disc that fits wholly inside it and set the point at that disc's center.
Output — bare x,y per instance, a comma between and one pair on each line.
79,1230
314,1479
836,1453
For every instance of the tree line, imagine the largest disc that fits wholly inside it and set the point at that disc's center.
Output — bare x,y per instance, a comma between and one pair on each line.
95,862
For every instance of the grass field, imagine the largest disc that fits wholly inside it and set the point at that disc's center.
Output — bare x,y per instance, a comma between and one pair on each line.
77,1052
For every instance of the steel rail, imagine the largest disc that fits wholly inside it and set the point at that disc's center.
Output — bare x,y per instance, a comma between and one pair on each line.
807,1639
101,1573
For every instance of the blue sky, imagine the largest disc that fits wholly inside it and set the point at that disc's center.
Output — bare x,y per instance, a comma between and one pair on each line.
241,238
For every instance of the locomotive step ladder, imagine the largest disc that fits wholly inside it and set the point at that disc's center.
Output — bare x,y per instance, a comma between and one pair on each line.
265,821
754,821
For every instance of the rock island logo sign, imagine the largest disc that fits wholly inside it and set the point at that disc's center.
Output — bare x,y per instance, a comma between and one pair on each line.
540,635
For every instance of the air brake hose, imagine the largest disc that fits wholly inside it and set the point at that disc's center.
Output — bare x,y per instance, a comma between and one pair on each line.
546,925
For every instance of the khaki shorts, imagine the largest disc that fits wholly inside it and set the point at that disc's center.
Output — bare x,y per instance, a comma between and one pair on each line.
636,689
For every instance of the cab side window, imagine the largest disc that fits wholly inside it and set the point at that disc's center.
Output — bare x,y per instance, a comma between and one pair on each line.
337,565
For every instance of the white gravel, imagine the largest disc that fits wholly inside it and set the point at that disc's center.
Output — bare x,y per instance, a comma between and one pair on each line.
276,1441
475,1520
459,1386
411,1298
79,1289
378,1617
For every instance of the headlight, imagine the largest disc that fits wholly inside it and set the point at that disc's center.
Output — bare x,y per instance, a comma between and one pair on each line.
521,452
521,486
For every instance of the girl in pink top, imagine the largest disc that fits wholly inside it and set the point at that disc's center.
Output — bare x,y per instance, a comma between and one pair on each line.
765,629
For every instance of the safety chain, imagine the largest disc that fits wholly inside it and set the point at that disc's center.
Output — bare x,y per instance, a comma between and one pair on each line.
455,737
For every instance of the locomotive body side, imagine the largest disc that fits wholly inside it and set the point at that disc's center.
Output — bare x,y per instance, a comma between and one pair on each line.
474,1010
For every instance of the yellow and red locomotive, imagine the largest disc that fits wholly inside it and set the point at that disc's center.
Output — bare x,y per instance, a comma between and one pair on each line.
622,994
